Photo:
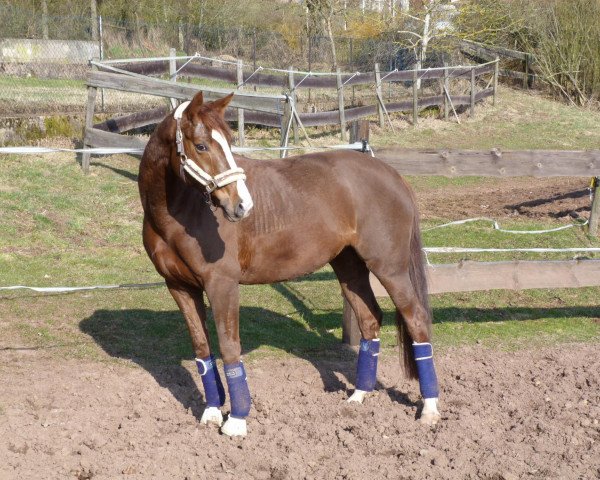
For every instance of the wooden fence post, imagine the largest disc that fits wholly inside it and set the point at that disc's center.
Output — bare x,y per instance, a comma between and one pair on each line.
292,87
285,127
415,87
89,124
595,211
359,130
350,332
446,93
240,115
340,88
526,69
172,74
496,73
379,95
473,92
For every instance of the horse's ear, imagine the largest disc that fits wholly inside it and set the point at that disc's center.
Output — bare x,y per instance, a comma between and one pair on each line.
195,104
221,104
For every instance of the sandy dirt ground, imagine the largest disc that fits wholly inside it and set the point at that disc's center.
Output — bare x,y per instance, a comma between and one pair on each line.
506,415
562,198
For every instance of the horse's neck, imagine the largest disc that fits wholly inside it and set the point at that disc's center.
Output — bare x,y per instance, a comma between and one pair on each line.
167,198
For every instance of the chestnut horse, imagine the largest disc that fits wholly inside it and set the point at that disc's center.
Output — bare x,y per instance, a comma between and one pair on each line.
213,221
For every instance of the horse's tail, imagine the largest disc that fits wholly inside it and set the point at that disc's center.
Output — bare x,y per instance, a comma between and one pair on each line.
418,278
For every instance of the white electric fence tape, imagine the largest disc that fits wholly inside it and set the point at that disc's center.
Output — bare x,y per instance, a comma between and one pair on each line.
93,151
78,289
426,250
134,151
500,250
496,226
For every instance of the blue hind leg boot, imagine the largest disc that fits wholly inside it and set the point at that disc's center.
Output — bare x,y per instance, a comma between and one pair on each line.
239,393
426,370
213,387
366,367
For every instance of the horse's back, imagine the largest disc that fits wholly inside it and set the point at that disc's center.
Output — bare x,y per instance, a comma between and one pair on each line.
328,170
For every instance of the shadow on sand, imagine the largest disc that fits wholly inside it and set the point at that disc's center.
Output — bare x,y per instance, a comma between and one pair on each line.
159,342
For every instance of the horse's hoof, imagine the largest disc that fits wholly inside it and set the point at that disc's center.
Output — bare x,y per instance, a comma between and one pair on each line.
430,418
430,414
234,427
212,415
358,396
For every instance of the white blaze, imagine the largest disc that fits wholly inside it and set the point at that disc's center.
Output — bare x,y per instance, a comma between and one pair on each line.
242,189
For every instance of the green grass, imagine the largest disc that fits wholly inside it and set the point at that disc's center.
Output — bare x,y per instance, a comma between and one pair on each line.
19,95
7,81
481,235
60,227
520,120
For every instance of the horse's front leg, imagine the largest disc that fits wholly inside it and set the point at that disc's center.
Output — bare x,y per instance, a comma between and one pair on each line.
223,295
191,303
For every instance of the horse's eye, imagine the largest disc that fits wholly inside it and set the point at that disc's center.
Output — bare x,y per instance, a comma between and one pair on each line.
201,147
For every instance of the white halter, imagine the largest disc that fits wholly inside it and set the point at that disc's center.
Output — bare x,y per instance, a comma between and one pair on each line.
233,174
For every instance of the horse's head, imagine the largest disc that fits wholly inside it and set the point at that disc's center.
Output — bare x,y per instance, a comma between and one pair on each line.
204,155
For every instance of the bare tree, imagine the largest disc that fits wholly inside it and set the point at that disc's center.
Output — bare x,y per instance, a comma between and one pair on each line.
44,19
324,12
94,18
426,25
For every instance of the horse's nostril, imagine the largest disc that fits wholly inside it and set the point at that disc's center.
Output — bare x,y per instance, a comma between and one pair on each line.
240,210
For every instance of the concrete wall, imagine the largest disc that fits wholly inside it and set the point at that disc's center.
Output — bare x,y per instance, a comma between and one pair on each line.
46,58
47,51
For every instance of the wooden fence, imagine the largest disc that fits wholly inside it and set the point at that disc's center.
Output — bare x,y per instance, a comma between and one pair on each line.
292,80
487,53
107,133
272,110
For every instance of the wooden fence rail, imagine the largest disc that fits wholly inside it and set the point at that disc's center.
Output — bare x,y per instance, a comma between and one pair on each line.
490,52
182,91
480,276
493,163
194,70
149,117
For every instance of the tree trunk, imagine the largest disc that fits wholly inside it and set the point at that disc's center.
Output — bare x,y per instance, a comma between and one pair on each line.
331,41
94,19
44,19
424,43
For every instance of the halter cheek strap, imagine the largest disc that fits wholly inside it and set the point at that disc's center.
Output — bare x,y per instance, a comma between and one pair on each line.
233,174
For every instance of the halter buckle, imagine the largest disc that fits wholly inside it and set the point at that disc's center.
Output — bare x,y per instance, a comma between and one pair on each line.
211,186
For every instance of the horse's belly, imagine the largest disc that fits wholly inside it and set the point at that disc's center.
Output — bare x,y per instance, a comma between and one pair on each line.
286,257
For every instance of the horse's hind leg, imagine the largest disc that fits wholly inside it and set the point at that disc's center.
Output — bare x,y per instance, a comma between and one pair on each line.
354,280
415,318
191,304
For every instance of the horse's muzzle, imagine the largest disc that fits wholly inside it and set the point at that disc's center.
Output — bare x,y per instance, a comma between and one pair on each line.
240,211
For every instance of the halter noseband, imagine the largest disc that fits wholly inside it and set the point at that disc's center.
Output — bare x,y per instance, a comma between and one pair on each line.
233,174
